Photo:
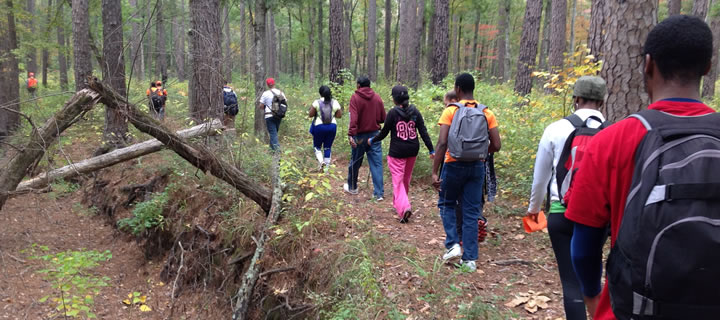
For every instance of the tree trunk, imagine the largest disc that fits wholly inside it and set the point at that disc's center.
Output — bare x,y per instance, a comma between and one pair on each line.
243,36
179,34
116,129
347,32
573,15
149,48
596,35
9,72
114,157
700,8
337,40
45,51
528,47
545,41
387,64
441,40
457,44
161,59
205,42
429,51
708,84
321,39
259,24
81,42
408,12
476,28
371,39
311,48
32,51
228,59
627,29
417,58
674,7
62,56
135,46
557,35
501,45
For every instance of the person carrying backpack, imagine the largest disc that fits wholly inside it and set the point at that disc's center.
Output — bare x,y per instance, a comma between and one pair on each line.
274,104
468,133
588,96
324,112
158,97
404,122
654,178
32,84
230,105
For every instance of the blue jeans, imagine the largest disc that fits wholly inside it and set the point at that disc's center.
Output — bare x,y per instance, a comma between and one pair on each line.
374,155
323,137
462,180
273,126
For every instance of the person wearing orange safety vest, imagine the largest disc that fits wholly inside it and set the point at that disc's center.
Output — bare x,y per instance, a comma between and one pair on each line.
31,84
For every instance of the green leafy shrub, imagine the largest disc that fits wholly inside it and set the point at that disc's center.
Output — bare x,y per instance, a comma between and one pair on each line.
146,215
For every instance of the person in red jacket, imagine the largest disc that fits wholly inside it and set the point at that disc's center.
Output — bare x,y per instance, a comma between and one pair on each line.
367,112
676,55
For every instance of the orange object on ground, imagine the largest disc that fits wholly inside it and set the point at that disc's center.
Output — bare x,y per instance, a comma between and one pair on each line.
531,226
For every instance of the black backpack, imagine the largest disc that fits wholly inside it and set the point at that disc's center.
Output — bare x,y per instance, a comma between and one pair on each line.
278,106
156,100
665,263
229,98
325,111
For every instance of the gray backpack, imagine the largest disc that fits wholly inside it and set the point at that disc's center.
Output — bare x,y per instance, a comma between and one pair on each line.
325,111
468,139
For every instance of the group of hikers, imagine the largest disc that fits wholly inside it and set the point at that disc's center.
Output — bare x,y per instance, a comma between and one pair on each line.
650,182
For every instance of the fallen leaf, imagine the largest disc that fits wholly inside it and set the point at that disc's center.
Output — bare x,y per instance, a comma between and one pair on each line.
145,308
520,237
126,301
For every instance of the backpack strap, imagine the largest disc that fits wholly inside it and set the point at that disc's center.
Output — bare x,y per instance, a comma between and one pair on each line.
576,121
458,105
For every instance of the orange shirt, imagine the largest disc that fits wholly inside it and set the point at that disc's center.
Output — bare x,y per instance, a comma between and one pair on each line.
449,113
161,93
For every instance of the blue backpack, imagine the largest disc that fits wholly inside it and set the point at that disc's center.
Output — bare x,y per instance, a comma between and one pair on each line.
229,98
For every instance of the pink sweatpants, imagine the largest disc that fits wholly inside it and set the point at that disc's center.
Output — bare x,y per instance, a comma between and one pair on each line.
401,171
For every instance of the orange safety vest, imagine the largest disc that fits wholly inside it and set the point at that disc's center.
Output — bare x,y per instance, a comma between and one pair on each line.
32,83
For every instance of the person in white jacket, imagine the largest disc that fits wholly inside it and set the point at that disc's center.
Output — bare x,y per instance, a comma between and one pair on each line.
588,95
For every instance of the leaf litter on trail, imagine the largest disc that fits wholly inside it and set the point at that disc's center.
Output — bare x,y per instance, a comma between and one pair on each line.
533,301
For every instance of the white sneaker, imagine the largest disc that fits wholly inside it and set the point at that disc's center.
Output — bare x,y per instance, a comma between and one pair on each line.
454,252
347,189
379,199
469,266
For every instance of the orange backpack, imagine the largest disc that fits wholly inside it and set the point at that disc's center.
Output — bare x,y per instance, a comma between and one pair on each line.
32,83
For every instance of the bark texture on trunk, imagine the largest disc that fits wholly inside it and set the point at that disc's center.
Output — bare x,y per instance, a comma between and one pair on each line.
700,8
626,31
32,51
557,35
441,40
501,45
179,32
228,59
388,26
545,40
136,50
429,49
337,40
206,82
62,52
9,72
596,35
161,59
528,47
45,51
573,16
408,59
708,84
674,7
115,133
259,24
321,39
81,42
371,39
243,41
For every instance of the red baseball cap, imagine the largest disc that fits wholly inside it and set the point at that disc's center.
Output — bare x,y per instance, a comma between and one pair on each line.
270,82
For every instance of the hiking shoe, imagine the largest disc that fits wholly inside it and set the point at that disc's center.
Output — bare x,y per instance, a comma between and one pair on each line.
454,252
468,266
406,217
378,199
347,189
482,230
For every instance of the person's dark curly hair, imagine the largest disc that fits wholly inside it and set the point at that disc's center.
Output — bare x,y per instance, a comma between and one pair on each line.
465,82
681,46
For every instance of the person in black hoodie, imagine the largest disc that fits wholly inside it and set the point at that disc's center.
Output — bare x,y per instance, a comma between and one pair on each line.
404,122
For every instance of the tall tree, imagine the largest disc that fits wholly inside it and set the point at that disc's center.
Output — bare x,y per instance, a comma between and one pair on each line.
271,51
321,39
81,42
206,52
311,48
573,16
557,34
348,9
528,47
407,58
9,71
456,60
388,25
429,41
45,51
243,36
476,36
259,24
228,61
545,40
708,85
700,8
674,7
116,129
161,58
501,42
626,31
372,37
596,34
32,51
62,51
441,40
179,34
337,40
136,48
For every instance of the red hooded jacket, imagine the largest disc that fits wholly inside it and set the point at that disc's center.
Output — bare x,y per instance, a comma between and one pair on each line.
367,111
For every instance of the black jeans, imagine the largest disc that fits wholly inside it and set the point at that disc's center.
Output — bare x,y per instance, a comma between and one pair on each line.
561,232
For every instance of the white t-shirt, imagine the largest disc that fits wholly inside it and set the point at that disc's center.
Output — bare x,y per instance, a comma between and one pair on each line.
335,108
267,98
548,156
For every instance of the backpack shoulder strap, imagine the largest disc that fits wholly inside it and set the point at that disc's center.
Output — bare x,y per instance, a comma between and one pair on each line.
575,120
481,107
458,105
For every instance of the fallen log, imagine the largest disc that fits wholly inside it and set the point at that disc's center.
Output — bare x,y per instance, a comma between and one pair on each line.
41,138
198,155
244,294
114,157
